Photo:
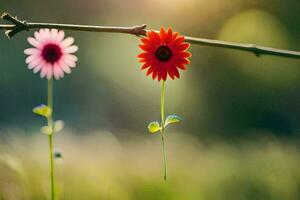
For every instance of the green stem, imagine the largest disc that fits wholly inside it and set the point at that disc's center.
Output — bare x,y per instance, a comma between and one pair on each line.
50,137
162,103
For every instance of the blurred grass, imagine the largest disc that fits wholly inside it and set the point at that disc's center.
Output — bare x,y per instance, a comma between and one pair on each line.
99,166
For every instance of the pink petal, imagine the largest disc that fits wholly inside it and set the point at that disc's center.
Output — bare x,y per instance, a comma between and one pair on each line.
53,34
30,58
34,63
70,63
66,68
60,36
61,73
56,71
33,42
31,51
42,35
71,49
44,71
67,42
37,36
37,68
50,72
71,57
45,35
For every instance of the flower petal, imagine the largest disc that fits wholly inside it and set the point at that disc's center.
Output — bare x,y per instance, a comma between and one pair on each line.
71,57
53,34
31,51
150,70
181,47
153,36
30,58
49,72
60,36
163,35
176,73
44,71
70,62
71,49
34,63
143,55
67,42
38,68
33,42
184,54
57,71
146,65
181,66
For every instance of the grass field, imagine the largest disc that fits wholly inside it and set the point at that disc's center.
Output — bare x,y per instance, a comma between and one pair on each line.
101,166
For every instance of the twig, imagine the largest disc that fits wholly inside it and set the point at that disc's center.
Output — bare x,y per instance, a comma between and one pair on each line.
19,26
256,49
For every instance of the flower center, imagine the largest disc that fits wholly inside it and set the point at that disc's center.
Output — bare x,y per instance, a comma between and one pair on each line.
163,53
51,53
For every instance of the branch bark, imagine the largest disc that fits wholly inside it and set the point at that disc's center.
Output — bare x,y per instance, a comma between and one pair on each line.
19,26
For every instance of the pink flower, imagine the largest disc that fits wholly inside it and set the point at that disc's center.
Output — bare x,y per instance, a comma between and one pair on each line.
51,54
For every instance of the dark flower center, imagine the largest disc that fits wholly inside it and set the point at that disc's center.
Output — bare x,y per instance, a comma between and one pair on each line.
163,53
51,53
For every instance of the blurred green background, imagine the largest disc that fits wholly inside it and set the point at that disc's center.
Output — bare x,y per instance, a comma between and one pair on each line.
239,136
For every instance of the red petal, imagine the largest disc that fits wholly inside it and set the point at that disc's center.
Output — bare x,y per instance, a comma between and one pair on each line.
146,41
163,34
154,37
178,40
169,38
150,70
181,47
171,74
159,77
185,61
147,47
174,36
182,61
176,73
145,66
184,54
180,66
164,74
143,55
155,73
142,60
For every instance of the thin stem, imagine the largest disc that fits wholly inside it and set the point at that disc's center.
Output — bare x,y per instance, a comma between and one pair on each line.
162,132
51,167
19,26
50,136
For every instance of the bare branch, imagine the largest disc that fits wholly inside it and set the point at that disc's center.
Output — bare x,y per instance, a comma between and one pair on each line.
256,49
19,26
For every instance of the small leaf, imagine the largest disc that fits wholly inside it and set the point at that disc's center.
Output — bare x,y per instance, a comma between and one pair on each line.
42,110
58,126
172,119
153,127
46,130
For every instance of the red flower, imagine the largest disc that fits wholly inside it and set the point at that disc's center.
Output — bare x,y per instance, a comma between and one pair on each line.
164,53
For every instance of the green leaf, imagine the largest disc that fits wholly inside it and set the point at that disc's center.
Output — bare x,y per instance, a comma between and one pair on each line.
153,127
46,130
172,119
42,110
58,126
